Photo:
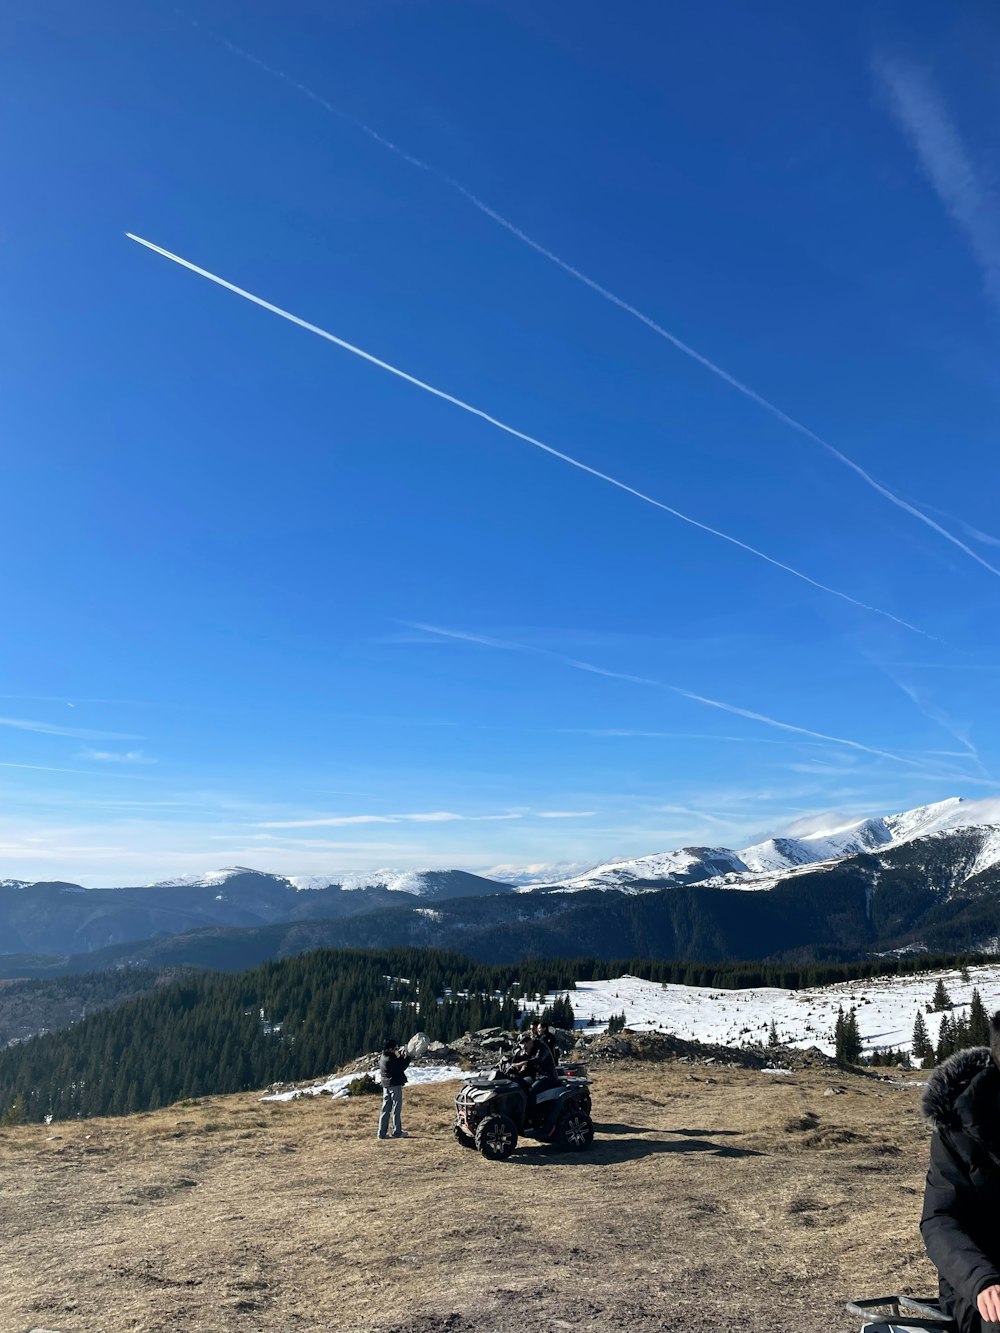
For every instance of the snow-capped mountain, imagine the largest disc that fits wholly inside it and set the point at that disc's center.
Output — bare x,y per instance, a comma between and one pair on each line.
417,883
687,865
213,878
924,878
763,863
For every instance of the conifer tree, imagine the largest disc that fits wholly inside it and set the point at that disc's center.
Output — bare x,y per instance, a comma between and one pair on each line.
852,1038
941,1000
921,1041
979,1023
773,1039
945,1045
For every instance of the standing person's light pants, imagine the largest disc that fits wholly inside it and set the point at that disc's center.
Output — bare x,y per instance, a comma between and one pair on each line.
392,1104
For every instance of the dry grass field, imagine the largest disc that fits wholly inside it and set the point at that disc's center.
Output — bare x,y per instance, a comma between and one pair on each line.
712,1201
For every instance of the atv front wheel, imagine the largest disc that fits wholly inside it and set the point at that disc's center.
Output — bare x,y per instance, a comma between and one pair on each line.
576,1131
496,1137
466,1140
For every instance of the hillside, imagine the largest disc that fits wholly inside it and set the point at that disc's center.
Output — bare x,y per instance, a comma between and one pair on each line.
57,918
231,1215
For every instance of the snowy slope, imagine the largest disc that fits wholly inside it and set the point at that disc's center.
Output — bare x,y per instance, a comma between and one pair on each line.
886,1008
212,878
761,865
688,865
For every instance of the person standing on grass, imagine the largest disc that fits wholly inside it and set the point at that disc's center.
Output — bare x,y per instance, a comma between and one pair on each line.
962,1195
392,1075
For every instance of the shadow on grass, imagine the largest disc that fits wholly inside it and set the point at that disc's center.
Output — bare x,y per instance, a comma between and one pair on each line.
705,1133
612,1128
624,1150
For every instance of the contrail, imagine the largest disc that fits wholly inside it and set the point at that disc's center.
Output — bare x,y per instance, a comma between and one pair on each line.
787,726
608,295
511,646
518,434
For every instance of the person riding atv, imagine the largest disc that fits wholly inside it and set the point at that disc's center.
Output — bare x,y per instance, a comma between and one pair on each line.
492,1109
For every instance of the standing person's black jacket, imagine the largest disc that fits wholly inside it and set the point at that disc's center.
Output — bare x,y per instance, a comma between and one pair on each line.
552,1044
961,1218
392,1069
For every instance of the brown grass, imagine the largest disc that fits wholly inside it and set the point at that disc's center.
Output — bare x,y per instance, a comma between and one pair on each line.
738,1202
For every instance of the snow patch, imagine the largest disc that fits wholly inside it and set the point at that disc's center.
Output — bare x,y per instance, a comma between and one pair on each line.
885,1006
337,1087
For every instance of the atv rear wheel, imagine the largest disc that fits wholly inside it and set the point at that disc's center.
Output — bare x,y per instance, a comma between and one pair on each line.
496,1137
466,1140
576,1131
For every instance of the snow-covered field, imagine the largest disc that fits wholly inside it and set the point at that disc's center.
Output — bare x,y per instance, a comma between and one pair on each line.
886,1008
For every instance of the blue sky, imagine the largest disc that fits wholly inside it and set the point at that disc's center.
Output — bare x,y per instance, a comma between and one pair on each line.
266,603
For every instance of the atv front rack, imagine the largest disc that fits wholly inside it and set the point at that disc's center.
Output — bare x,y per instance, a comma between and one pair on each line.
887,1314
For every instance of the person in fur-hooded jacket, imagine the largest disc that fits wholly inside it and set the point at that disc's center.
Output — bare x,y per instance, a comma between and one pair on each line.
961,1218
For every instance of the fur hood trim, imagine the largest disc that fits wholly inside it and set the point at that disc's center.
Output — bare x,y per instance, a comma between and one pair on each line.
949,1081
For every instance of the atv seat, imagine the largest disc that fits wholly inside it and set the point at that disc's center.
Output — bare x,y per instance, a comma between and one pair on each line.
544,1083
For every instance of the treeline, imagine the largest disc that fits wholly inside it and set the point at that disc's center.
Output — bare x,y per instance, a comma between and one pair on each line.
782,976
290,1019
301,1017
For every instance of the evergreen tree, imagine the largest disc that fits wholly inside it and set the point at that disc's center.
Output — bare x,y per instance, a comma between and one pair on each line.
852,1038
838,1033
941,1000
921,1041
847,1037
979,1023
14,1114
773,1039
945,1044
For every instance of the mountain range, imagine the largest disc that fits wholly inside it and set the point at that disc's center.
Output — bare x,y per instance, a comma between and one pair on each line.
923,878
763,864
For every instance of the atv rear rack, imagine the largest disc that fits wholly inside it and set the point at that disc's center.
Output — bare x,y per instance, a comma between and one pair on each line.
887,1314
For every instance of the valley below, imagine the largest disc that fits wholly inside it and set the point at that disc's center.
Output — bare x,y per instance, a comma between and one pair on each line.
713,1198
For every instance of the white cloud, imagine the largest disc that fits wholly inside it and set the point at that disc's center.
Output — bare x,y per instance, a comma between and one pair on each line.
118,756
327,821
418,817
947,162
52,729
566,814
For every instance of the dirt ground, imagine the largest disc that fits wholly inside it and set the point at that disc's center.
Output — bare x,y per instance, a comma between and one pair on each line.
711,1201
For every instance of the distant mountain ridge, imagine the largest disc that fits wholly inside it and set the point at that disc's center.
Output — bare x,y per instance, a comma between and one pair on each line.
52,917
776,856
924,878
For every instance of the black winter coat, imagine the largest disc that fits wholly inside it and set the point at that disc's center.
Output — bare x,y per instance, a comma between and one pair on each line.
536,1059
961,1218
552,1044
392,1070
